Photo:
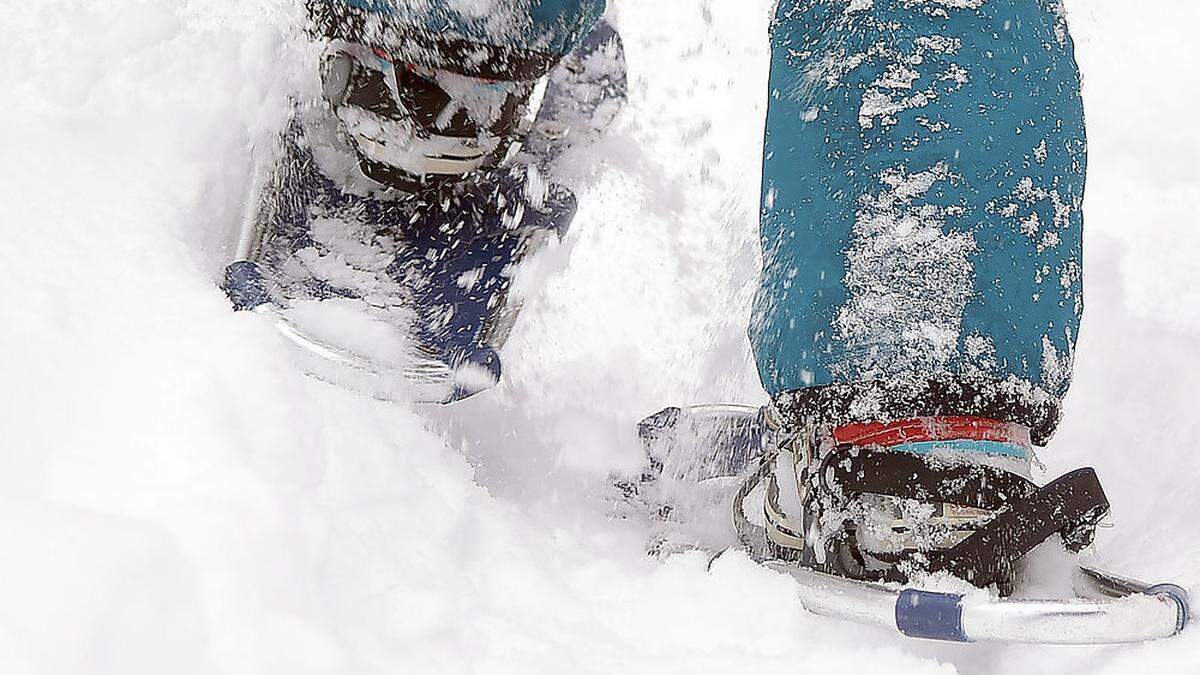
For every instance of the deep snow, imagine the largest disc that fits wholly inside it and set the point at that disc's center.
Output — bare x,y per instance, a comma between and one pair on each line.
176,497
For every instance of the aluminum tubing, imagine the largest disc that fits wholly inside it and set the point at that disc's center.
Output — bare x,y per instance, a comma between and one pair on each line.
1133,618
421,379
957,618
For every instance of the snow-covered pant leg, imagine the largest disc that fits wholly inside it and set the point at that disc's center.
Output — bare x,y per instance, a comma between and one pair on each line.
921,228
531,34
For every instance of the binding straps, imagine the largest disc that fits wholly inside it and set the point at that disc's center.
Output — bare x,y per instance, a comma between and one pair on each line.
1070,505
908,476
1026,515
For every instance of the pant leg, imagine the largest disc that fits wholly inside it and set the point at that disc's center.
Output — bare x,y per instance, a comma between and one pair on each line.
921,228
551,28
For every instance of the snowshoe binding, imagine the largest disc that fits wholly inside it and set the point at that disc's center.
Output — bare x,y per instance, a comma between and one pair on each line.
918,525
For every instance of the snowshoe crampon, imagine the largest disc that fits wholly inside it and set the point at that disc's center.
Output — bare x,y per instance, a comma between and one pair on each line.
846,574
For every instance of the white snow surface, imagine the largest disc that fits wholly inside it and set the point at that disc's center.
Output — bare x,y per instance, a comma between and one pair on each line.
175,497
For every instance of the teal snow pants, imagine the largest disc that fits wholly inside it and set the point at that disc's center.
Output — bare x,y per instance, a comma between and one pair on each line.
921,230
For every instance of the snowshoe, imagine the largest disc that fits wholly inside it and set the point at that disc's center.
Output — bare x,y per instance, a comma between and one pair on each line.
387,263
919,525
401,297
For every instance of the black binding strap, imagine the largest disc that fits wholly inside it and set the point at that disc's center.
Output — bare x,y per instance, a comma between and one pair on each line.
1026,515
897,474
1070,505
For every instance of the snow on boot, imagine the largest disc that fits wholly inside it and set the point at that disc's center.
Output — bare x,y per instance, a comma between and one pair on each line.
415,109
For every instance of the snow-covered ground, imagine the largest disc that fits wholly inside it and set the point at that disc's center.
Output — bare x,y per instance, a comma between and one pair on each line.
176,497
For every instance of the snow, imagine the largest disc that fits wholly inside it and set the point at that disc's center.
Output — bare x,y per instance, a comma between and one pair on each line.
908,281
176,497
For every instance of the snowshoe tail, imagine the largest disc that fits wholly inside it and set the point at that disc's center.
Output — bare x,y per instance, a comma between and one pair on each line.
1130,611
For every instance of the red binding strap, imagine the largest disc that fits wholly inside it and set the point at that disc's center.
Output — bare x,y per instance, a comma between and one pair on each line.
916,430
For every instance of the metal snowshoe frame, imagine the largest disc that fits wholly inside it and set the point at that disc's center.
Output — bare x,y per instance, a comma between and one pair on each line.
1107,609
1132,612
422,379
1110,609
